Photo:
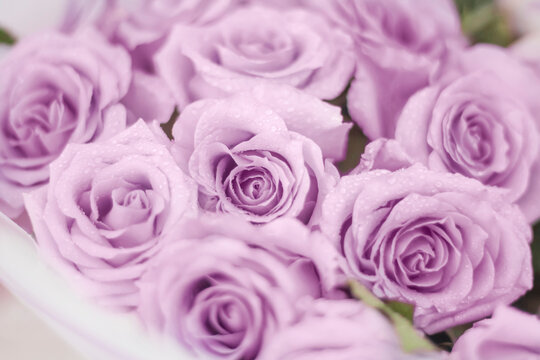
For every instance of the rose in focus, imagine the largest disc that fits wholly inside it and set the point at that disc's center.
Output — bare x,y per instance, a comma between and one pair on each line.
256,154
412,235
103,213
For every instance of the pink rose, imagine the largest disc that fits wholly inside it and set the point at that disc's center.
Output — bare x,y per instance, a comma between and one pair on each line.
223,287
56,89
106,206
294,47
413,235
398,44
256,154
480,118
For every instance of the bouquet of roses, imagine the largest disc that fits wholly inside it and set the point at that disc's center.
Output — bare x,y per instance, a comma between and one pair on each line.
189,180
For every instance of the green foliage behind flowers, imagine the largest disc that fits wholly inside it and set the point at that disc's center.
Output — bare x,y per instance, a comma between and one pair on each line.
6,37
399,314
483,22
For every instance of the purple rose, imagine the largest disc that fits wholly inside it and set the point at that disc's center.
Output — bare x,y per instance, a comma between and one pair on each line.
105,208
509,334
254,45
56,89
333,330
446,243
480,118
221,286
398,43
256,154
141,26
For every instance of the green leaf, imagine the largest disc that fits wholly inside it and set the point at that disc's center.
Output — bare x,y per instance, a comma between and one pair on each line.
6,37
405,310
455,332
361,292
411,339
483,22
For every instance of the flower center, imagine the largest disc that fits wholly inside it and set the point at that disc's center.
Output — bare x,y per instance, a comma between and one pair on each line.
135,199
422,253
39,124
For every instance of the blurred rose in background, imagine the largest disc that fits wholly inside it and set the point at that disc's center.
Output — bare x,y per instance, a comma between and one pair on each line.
18,326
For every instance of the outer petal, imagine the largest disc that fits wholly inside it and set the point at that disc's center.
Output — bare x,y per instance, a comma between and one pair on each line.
307,115
498,338
378,95
343,329
387,154
148,98
413,125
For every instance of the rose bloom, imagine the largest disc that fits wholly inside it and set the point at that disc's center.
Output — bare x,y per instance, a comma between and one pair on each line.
480,118
509,334
446,243
223,287
256,154
105,208
335,330
253,45
398,43
56,89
